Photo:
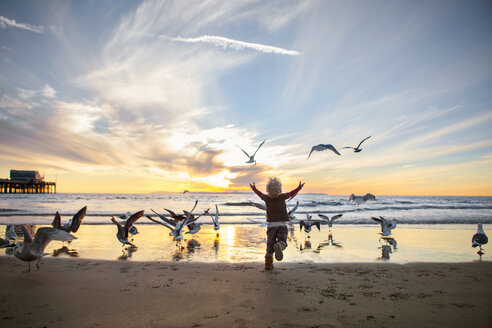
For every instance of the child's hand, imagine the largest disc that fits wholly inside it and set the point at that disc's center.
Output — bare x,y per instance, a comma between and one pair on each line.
301,184
252,186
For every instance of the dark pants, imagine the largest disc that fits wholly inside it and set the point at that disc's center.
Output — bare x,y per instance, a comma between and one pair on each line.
275,234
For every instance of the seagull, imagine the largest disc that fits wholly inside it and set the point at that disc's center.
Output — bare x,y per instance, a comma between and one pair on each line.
215,220
290,212
73,224
357,149
33,249
308,223
479,239
258,205
386,226
133,230
184,192
177,217
123,231
322,147
252,157
10,233
361,199
176,227
330,220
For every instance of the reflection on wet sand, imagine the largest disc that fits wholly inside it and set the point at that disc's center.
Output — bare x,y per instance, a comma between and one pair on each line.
246,243
127,252
65,250
387,247
327,243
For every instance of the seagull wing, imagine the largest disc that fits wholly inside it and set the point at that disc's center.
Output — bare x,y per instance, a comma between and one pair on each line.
317,224
159,222
258,148
243,151
333,149
312,149
56,221
363,141
26,233
257,205
173,215
293,209
121,230
336,217
163,218
77,219
378,220
44,235
324,217
132,219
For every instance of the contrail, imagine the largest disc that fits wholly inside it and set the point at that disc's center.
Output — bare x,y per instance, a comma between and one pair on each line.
225,43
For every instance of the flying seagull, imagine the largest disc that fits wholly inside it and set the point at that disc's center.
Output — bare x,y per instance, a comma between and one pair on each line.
386,225
252,157
123,231
308,223
361,199
73,224
357,149
322,147
330,220
33,249
479,239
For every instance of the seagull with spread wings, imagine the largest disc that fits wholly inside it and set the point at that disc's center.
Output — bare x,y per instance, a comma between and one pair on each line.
322,147
251,159
123,231
357,149
33,249
73,224
330,219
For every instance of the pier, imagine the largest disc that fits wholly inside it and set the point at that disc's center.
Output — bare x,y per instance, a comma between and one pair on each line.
11,187
26,182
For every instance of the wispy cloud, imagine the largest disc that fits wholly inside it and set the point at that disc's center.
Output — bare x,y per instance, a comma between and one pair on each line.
226,43
6,22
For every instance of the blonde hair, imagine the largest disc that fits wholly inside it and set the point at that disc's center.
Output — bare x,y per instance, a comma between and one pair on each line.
274,187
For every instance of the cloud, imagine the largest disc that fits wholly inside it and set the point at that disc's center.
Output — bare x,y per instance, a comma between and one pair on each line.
226,43
6,22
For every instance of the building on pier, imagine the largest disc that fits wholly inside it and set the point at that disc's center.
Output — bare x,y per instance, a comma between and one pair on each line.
26,182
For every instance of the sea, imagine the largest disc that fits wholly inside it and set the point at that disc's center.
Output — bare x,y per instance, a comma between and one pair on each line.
429,228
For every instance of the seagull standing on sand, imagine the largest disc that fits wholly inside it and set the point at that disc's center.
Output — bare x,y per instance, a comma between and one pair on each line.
330,220
73,224
479,239
322,147
123,231
357,149
33,249
215,220
133,230
251,159
386,225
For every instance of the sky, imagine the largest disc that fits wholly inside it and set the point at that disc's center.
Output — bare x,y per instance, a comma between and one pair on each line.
151,96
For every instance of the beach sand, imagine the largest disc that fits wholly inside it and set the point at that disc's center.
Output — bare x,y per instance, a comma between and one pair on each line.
96,293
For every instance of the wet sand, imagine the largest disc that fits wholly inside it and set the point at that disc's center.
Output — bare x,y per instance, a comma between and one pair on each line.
96,293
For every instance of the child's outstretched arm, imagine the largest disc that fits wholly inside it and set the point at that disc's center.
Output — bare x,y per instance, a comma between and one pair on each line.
253,187
295,191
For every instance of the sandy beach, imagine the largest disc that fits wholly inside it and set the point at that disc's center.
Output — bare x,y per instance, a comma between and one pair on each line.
94,293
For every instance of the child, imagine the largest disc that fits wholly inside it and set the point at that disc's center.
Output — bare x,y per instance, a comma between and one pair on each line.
277,217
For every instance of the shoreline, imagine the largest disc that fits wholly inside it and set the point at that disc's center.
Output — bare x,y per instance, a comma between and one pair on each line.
100,293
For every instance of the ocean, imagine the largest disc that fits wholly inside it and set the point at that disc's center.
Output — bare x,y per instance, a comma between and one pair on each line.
235,208
429,229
